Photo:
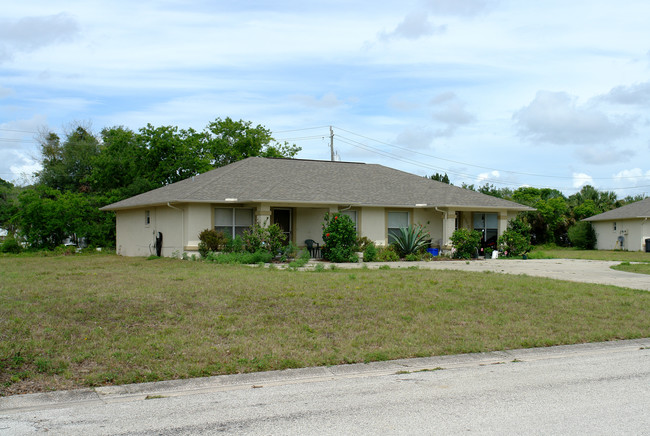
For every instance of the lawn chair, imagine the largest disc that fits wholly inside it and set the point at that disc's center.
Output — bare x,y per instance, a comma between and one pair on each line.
313,247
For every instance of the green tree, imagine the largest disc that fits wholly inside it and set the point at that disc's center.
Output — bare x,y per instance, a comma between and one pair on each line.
8,206
441,178
549,223
67,166
582,235
226,141
47,217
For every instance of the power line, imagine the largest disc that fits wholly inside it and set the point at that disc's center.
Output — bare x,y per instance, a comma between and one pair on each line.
482,167
371,149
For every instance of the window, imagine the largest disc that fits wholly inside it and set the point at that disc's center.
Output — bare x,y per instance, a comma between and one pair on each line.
147,218
488,225
396,221
353,216
232,221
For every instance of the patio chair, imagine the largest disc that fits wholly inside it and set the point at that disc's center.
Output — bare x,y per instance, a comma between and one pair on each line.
313,247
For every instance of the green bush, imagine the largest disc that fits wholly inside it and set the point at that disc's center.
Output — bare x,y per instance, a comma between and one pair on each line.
234,245
410,240
203,249
269,239
213,240
11,245
582,235
466,242
515,241
370,252
387,254
340,238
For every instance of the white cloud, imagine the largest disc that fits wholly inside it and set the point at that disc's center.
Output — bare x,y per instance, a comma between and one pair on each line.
416,137
581,179
490,176
633,176
6,92
604,155
554,117
31,33
452,112
638,94
415,25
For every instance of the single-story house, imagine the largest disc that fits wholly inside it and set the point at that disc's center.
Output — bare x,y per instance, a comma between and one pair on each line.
296,194
624,228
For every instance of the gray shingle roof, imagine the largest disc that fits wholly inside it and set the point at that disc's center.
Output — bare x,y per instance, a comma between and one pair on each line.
639,209
259,179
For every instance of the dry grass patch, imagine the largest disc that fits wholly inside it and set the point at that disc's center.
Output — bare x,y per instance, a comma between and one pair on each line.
92,320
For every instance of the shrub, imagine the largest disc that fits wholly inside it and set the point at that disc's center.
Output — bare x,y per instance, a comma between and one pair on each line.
466,243
387,254
410,240
270,239
412,257
362,243
370,253
203,249
234,245
582,235
11,245
212,239
516,239
340,238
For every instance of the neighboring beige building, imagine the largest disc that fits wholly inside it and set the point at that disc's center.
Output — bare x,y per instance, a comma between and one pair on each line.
625,228
296,194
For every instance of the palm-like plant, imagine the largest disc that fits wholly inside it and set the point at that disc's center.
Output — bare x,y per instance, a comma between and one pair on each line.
410,239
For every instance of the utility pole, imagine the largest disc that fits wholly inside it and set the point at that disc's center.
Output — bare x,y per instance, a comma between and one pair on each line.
332,143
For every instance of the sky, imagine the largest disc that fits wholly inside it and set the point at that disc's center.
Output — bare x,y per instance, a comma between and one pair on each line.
513,93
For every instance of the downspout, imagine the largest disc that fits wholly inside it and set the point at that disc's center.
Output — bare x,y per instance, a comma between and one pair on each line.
444,225
182,225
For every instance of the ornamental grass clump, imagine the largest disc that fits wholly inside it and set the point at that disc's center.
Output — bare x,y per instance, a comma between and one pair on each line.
340,237
410,240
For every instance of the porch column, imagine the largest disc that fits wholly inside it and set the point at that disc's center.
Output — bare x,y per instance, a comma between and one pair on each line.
503,221
448,227
263,215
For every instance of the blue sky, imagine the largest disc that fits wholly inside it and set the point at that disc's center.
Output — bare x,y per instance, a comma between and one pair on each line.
549,94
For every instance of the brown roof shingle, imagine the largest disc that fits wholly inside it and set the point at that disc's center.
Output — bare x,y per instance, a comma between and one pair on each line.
257,179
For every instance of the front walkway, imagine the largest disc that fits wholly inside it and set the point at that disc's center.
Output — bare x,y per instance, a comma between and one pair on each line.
586,271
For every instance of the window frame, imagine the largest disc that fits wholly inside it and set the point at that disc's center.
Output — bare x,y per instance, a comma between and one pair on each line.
390,237
231,230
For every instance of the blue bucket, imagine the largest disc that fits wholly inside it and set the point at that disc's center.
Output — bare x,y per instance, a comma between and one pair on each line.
433,251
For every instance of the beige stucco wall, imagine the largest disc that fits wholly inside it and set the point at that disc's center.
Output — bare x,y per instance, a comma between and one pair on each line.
309,225
634,231
198,218
431,220
373,224
135,238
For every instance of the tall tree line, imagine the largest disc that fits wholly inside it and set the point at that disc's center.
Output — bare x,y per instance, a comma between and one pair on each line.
555,213
82,172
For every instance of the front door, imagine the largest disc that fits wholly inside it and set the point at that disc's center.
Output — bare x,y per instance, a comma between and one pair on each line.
282,217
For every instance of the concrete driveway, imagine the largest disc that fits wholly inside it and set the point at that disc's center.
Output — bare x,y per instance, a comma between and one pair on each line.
586,271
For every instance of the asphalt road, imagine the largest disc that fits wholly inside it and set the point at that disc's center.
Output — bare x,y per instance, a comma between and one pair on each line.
595,389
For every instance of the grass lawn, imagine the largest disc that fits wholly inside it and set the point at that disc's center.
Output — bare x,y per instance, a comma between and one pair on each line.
640,268
574,253
76,321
